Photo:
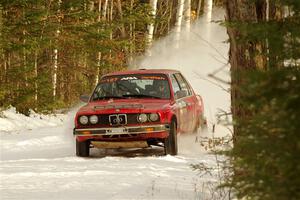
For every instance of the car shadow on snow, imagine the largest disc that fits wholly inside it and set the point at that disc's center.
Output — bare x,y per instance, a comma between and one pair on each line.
144,152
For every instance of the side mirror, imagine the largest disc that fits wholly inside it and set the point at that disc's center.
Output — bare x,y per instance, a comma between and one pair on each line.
181,93
84,98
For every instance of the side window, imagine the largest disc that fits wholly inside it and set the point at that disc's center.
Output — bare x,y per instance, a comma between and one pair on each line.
175,85
184,86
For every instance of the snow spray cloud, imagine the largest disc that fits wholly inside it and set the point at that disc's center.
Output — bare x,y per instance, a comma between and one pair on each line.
198,53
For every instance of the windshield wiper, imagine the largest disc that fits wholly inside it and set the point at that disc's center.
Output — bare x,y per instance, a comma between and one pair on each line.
108,97
141,96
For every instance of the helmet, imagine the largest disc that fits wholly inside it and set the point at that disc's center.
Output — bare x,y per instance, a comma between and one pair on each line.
159,83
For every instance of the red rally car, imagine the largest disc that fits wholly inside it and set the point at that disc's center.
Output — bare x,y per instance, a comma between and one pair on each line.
136,109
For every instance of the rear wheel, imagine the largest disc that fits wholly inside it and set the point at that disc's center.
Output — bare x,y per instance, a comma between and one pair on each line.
83,148
171,146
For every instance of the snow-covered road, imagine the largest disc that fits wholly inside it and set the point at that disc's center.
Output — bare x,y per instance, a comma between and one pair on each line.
40,162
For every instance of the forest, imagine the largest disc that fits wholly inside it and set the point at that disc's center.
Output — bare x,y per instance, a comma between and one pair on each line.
51,51
265,100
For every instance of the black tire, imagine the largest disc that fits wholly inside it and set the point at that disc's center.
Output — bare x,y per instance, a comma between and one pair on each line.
83,148
171,146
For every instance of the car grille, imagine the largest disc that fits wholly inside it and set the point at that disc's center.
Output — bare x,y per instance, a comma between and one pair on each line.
131,119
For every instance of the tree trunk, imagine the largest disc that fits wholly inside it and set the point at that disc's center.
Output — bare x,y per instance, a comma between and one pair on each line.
99,53
111,10
4,71
267,10
104,11
110,18
239,54
286,11
208,4
170,3
55,56
55,66
3,60
132,36
153,4
178,22
91,5
99,10
36,77
187,15
24,53
199,5
120,11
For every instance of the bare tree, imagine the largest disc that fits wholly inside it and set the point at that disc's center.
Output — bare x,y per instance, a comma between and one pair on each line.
178,22
99,53
120,11
187,15
55,57
199,5
104,11
153,4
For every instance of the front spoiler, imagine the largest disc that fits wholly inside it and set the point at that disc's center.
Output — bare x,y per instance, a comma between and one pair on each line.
121,130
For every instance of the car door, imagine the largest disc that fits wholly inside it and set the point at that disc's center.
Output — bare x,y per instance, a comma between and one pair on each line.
188,103
179,106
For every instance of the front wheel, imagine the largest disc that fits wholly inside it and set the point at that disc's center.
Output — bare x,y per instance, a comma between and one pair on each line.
171,146
83,148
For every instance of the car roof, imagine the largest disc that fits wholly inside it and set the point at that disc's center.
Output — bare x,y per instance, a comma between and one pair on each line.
144,71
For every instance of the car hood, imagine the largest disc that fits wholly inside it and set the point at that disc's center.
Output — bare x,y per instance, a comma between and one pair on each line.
125,105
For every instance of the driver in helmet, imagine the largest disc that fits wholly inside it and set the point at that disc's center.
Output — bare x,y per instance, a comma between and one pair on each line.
161,88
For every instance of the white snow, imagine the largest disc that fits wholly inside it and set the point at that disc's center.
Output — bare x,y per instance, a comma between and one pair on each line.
38,153
11,120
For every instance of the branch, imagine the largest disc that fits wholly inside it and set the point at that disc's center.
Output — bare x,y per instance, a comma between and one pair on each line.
216,84
212,46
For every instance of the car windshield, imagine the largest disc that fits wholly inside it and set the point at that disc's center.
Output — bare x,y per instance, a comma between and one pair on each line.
133,86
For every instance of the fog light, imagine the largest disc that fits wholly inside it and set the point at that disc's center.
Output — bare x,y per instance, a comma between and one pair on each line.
142,118
94,119
83,120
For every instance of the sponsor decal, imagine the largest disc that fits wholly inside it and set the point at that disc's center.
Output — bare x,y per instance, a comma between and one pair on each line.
109,80
135,77
153,77
128,78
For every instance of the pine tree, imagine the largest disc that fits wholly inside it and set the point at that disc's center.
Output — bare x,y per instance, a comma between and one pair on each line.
264,57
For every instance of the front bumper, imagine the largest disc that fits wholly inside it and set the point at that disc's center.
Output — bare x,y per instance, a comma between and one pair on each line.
125,130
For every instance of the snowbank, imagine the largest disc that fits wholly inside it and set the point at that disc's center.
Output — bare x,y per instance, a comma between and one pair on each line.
11,120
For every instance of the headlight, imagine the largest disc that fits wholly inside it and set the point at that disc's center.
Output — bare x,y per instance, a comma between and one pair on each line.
153,117
83,120
94,119
142,118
